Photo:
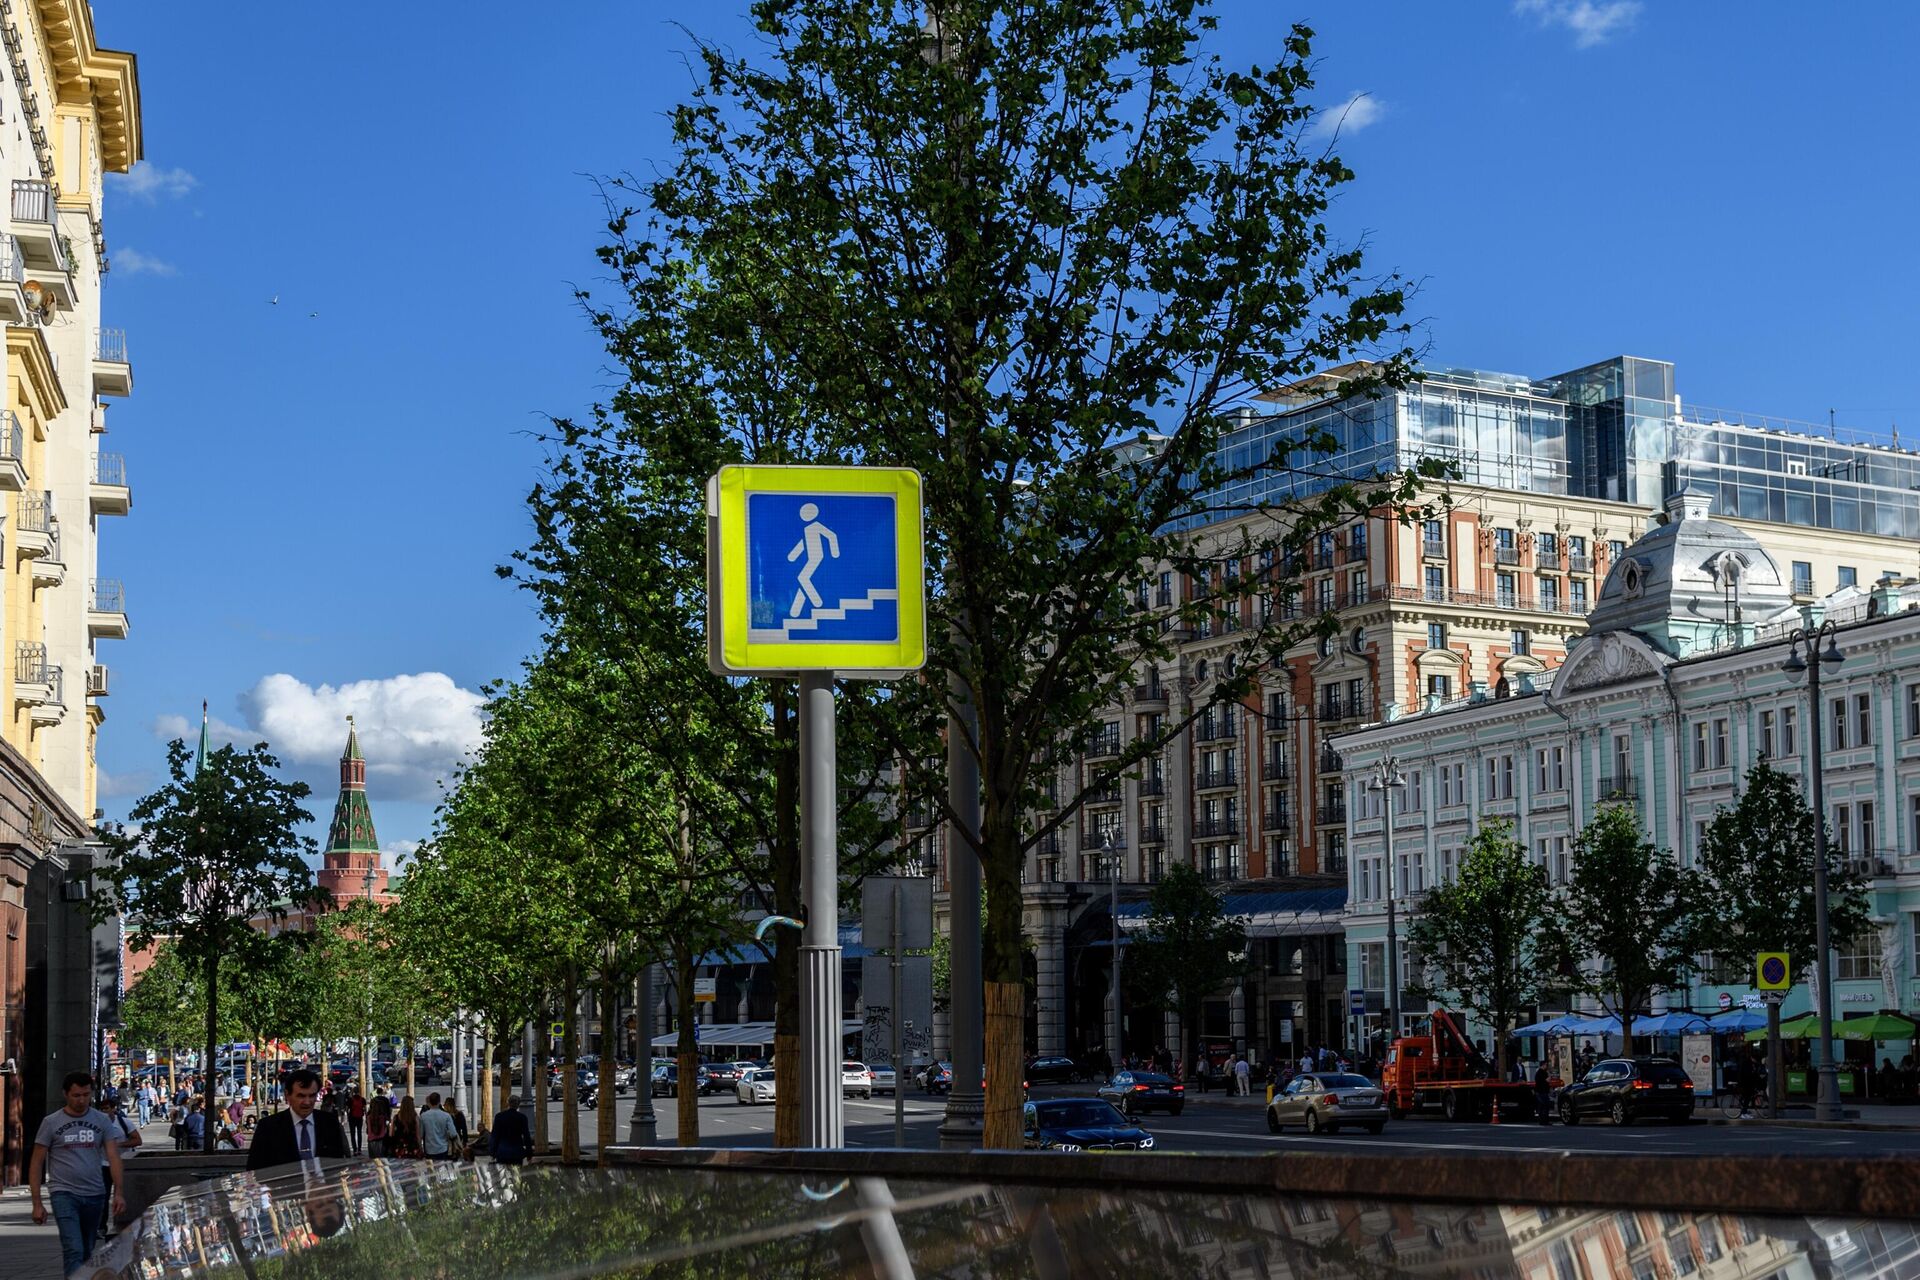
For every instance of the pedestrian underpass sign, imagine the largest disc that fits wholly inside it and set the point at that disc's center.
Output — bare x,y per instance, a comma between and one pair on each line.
815,569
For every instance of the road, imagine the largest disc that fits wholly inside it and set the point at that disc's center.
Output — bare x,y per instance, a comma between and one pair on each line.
1215,1125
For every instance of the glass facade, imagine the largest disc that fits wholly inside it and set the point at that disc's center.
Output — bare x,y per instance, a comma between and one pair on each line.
1613,430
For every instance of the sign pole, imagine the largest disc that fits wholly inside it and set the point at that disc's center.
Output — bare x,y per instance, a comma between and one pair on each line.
822,1115
893,1022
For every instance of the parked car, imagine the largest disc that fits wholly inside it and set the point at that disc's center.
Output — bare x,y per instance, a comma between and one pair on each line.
1626,1089
723,1076
1081,1124
884,1080
1324,1101
755,1085
1136,1091
856,1081
1055,1070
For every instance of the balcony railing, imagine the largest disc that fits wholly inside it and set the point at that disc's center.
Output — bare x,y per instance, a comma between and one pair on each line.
1153,786
1476,599
1579,564
1322,559
109,468
1329,815
1619,786
110,346
1104,744
1329,760
13,441
109,596
1208,729
1155,834
1433,550
13,263
1215,828
1275,768
1150,693
1048,846
36,513
1803,586
1506,555
1114,837
1354,550
1108,794
32,201
1209,779
1547,560
1273,818
1163,598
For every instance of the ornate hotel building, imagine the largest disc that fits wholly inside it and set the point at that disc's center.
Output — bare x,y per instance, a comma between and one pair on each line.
69,114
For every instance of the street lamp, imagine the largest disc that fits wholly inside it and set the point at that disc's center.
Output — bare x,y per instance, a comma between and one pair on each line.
1827,1099
1114,860
1386,777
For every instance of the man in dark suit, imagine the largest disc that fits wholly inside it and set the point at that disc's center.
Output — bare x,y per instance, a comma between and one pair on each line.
300,1132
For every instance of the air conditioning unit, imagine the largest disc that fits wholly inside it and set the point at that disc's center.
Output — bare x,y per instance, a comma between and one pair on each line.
97,680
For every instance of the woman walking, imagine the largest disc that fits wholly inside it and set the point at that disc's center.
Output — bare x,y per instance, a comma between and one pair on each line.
403,1140
379,1125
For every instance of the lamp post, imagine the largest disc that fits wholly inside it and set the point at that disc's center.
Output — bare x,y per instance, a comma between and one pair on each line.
1115,858
1386,777
1827,1099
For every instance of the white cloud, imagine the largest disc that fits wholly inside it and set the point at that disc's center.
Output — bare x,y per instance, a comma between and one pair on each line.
219,732
135,263
413,729
1350,117
399,854
1591,21
118,786
150,182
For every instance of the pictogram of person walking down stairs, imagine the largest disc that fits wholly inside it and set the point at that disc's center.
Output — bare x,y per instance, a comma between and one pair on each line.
822,567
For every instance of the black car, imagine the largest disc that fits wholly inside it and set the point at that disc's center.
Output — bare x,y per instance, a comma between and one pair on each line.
1626,1089
1081,1124
720,1077
1136,1091
1054,1070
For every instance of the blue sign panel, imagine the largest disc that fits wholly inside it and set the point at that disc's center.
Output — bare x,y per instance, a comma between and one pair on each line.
822,568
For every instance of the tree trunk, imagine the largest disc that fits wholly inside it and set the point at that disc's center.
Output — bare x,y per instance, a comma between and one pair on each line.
687,1093
569,1083
608,1002
543,1040
410,1079
783,866
1002,968
210,1131
1626,1025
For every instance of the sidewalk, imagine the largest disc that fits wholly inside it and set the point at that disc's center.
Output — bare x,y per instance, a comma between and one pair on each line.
1798,1115
33,1252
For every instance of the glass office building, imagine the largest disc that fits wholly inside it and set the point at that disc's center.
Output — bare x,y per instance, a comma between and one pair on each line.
1614,430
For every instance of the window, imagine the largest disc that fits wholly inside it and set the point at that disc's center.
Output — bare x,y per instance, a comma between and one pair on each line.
1499,778
1373,966
1333,849
1789,731
1849,576
1357,541
1546,545
1437,639
1680,1249
1323,595
1913,710
1413,796
1577,596
1710,744
1802,578
1441,686
1503,539
1576,545
1860,957
1622,756
1450,866
1413,874
1630,1230
1503,585
1436,582
1433,538
1769,734
1913,807
1551,852
1615,550
1550,594
1862,720
1357,586
1837,740
1517,641
1550,769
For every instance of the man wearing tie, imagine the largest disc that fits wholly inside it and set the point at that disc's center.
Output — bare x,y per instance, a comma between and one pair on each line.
300,1132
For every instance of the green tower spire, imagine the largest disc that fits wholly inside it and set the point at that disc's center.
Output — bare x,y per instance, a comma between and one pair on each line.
200,756
352,828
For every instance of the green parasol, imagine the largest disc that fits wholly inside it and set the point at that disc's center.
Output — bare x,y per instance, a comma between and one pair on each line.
1880,1026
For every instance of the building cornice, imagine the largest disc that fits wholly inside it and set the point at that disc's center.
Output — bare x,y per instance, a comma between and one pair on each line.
105,79
28,355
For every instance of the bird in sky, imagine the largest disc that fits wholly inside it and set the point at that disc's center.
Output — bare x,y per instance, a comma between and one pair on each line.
274,301
313,315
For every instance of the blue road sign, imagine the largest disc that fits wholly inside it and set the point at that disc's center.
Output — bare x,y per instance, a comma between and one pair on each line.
1356,1000
820,567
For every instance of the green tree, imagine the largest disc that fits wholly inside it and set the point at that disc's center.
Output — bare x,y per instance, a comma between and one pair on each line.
1188,949
166,1007
207,859
271,988
1040,252
1757,860
1488,938
1628,904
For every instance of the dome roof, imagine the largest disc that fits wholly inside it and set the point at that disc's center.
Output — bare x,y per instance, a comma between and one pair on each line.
1688,582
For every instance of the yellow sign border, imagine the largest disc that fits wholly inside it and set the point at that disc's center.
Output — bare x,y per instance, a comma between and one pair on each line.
1760,982
730,652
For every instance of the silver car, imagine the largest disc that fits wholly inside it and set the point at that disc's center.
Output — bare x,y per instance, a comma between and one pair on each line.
884,1079
756,1085
1324,1101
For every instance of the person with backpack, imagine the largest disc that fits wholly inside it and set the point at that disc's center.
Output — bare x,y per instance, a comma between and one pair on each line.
356,1119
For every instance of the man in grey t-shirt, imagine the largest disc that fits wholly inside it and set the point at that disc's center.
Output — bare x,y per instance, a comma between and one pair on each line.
68,1156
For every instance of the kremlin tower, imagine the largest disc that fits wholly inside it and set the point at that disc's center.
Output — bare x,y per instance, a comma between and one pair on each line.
350,865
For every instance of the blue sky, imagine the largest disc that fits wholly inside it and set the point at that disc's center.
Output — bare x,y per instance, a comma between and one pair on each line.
320,499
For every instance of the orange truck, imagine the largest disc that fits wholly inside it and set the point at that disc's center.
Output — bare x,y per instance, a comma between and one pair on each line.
1443,1071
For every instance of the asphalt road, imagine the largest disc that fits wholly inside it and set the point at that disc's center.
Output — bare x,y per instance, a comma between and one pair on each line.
1219,1126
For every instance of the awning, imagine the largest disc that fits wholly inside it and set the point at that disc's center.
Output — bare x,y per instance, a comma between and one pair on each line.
734,1035
1562,1025
1739,1020
1283,913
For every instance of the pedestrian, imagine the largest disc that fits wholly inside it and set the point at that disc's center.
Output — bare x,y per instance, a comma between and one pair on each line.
196,1125
1751,1073
147,1099
301,1132
1203,1072
177,1125
379,1125
356,1119
512,1137
437,1134
236,1111
1543,1093
76,1156
460,1126
403,1140
127,1139
1243,1077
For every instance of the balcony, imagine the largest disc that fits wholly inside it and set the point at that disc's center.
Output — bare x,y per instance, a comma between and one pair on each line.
33,526
919,819
50,568
112,372
1330,815
1506,555
1154,694
1349,708
13,282
1618,786
1108,793
1275,768
107,491
1216,828
107,610
1216,779
1103,838
1329,760
1433,550
1153,786
1803,588
1105,743
1353,550
1547,561
1509,600
1323,558
37,684
36,227
1579,564
1048,846
1208,729
1277,819
1163,598
1154,834
13,453
97,680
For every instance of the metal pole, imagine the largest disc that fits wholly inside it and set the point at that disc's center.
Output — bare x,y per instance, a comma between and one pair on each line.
1393,932
1115,1024
1827,1100
965,1123
822,1114
642,1125
893,1020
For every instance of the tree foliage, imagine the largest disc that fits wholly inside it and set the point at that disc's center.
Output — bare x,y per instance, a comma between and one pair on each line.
1757,860
1629,905
166,1007
1038,252
1189,949
1486,938
208,857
